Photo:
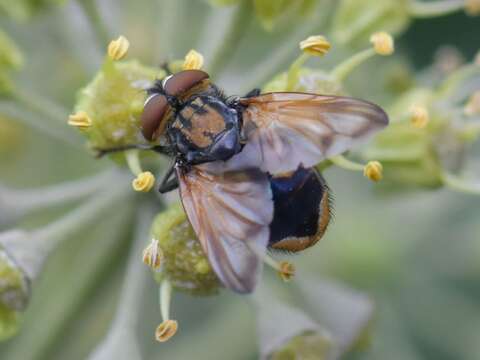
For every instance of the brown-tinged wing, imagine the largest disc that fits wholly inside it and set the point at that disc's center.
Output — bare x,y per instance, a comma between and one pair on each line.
285,130
230,213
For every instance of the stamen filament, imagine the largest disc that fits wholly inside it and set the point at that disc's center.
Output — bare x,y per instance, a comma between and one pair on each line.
293,72
341,71
165,299
344,163
133,162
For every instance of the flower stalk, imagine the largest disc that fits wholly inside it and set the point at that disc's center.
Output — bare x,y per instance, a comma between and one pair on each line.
430,9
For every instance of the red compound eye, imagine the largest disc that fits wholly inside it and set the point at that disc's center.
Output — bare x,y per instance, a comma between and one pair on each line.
153,112
184,81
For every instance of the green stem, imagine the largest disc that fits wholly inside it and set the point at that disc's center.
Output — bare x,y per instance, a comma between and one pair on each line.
294,71
456,183
17,112
24,201
429,9
341,71
346,164
95,18
48,237
238,26
43,106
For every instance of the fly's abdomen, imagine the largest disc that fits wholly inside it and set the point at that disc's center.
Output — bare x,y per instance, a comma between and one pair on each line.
301,209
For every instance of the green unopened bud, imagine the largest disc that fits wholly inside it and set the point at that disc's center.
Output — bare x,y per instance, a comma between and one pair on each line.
270,12
355,20
9,322
14,285
17,269
183,262
114,103
408,155
309,345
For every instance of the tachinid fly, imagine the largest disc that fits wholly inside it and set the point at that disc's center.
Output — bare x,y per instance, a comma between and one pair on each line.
245,166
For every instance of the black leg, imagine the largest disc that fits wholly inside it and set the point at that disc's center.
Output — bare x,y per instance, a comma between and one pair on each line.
168,184
157,148
165,67
253,93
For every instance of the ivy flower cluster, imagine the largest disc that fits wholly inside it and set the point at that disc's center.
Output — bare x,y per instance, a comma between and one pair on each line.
434,121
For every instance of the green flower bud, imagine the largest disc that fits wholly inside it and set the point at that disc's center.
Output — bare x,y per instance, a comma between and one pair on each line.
14,284
113,103
309,345
9,322
409,155
183,262
355,21
270,11
14,287
15,271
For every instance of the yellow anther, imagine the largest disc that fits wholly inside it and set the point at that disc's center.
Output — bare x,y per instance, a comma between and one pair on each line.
316,45
473,105
144,182
383,43
80,120
153,255
193,60
373,170
118,48
419,116
286,270
166,330
472,7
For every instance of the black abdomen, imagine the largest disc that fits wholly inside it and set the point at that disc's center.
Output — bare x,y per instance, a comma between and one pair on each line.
301,210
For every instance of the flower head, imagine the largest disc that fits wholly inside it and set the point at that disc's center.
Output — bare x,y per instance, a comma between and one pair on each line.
286,271
80,120
316,45
419,116
382,43
144,182
166,330
193,61
373,170
117,49
152,255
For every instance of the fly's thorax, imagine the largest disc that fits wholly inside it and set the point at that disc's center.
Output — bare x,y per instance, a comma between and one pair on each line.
205,129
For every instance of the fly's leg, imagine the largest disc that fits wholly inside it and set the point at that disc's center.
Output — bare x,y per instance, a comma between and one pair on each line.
253,93
166,150
168,183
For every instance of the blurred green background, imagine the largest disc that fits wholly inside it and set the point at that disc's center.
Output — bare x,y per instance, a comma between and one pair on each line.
415,253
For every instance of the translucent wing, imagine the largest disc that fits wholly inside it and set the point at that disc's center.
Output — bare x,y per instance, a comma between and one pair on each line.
230,213
285,130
